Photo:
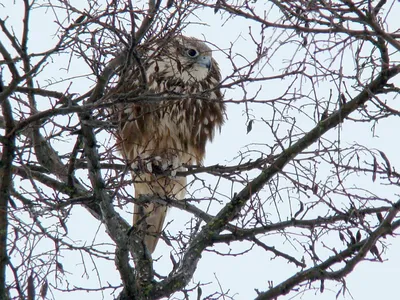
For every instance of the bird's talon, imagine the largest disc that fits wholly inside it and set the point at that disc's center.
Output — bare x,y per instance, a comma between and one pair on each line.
149,167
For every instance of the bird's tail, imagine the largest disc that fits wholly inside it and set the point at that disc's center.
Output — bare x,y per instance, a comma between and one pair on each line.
153,214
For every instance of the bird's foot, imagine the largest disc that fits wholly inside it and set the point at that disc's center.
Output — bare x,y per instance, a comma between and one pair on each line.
142,165
164,166
157,165
176,165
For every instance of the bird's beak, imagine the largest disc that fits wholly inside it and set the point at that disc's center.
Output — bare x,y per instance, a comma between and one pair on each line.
205,61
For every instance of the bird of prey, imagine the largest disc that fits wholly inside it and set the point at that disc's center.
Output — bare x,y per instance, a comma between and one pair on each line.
171,106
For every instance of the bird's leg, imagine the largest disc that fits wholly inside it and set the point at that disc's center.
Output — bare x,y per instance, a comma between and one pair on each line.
142,164
145,163
168,165
176,166
160,165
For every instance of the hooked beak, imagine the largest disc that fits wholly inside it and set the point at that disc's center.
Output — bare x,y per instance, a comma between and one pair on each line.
205,61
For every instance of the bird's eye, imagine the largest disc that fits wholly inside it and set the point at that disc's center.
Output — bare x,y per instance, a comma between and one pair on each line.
192,52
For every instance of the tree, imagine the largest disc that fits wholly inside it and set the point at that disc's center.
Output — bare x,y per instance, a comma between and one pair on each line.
311,187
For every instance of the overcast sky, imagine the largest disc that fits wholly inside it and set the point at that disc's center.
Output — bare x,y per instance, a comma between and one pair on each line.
241,275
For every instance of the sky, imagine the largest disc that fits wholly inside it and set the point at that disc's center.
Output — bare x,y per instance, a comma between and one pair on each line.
241,275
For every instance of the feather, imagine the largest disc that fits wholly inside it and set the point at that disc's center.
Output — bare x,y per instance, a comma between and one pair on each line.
154,214
162,135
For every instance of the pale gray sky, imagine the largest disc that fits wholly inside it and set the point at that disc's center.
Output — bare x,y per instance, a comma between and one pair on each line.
242,274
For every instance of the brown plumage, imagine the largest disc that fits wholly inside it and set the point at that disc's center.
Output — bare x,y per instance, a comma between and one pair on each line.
163,133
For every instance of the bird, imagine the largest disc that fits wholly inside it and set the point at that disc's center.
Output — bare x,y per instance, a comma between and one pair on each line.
180,108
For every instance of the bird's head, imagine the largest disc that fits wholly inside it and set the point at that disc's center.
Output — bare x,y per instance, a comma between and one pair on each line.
188,59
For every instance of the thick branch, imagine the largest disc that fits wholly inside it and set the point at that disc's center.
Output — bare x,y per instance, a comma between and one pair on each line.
320,271
117,227
209,232
7,158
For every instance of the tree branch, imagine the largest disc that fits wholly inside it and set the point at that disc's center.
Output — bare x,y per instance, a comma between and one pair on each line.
205,238
320,272
7,158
